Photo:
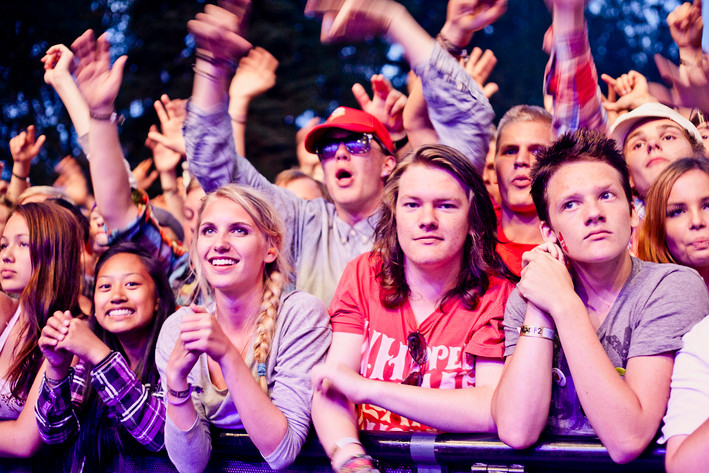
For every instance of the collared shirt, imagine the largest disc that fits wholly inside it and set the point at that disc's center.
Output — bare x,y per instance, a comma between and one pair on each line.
139,408
572,81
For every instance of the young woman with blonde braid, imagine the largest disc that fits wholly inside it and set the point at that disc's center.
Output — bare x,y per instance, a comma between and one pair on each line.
244,361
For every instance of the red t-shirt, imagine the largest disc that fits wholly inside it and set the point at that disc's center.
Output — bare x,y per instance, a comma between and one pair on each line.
454,337
511,252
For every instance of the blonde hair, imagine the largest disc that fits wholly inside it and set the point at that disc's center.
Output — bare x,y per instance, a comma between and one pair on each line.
271,226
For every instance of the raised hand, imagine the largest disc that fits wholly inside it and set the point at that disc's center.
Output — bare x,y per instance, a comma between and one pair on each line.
98,81
686,25
58,63
479,65
143,175
354,19
255,75
387,104
689,82
217,31
171,113
73,181
631,89
24,147
464,17
165,159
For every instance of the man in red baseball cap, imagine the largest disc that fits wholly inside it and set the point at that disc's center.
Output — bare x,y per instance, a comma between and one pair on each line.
356,153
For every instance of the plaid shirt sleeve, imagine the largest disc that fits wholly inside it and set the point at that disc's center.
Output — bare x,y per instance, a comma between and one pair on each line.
141,412
572,81
54,410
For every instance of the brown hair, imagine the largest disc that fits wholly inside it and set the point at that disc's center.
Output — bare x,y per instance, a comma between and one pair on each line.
55,251
480,260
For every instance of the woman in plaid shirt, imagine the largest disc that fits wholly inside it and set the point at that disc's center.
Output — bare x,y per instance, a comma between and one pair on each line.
122,405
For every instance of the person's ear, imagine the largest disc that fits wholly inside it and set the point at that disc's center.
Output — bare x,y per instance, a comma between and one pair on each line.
388,166
547,233
634,217
271,255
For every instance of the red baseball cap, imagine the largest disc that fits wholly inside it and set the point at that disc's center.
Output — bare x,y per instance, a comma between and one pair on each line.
350,119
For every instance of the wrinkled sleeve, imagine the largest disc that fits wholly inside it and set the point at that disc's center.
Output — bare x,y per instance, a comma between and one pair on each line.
459,111
304,343
56,418
188,450
572,81
141,413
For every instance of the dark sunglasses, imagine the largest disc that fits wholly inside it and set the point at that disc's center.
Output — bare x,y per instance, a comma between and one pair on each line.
417,350
358,143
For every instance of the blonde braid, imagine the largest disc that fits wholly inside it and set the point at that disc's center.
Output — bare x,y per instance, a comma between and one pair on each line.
266,324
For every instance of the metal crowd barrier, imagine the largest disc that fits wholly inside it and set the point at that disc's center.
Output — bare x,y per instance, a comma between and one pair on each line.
233,452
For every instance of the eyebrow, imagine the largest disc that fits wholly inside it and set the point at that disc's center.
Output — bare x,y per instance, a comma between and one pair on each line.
660,127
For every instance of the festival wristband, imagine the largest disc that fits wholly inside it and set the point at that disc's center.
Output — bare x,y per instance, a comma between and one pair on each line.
535,331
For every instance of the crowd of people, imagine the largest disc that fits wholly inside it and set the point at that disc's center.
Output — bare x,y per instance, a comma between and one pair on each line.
415,273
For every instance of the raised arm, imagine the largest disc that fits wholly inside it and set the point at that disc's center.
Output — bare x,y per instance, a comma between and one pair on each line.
387,105
58,67
689,80
254,76
570,77
168,147
457,108
24,148
99,83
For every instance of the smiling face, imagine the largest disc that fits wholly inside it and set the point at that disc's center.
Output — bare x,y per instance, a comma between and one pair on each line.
589,214
650,147
519,144
355,181
687,220
431,218
16,262
231,249
124,298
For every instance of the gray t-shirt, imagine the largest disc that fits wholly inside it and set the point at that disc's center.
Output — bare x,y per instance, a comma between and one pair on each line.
301,340
657,305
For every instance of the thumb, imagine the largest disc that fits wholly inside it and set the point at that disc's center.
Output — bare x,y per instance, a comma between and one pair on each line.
117,70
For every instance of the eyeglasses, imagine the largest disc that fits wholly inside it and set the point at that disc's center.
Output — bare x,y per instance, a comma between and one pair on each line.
358,143
417,350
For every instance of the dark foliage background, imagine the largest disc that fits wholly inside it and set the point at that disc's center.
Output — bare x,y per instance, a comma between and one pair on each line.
312,78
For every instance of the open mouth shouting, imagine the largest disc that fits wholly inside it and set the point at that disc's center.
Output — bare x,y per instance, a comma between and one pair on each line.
344,177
